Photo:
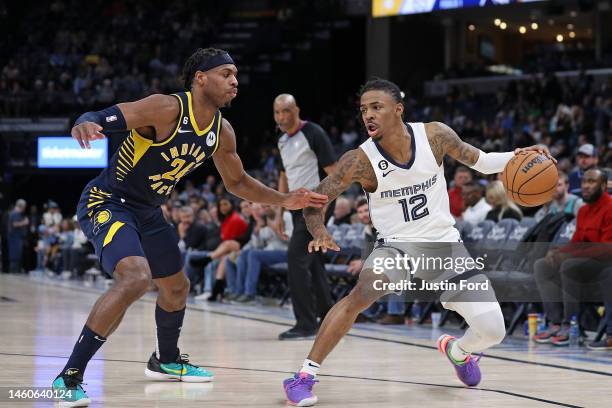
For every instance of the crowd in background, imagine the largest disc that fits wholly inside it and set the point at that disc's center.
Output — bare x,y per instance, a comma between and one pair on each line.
227,243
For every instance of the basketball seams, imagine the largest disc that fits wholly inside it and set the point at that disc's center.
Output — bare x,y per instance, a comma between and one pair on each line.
516,173
532,194
534,176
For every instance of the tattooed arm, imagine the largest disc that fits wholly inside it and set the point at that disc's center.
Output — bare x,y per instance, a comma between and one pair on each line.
443,140
353,167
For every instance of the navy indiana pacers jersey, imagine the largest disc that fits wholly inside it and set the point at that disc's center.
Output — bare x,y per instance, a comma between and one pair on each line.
145,172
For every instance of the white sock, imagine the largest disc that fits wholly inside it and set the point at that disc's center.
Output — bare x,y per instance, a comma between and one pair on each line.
310,367
457,353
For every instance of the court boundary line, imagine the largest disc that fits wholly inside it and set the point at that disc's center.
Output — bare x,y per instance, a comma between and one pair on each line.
361,336
349,377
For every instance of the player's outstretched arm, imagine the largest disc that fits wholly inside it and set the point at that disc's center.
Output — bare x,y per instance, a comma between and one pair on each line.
444,140
239,183
155,110
353,167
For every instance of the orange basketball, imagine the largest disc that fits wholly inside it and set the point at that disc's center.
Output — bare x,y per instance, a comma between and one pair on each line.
530,179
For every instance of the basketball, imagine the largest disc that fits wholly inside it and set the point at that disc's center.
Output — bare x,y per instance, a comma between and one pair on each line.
530,179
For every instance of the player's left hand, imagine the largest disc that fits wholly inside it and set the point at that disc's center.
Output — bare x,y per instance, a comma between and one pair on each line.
537,148
302,197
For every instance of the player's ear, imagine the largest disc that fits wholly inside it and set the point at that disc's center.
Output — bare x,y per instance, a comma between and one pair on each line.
399,109
200,78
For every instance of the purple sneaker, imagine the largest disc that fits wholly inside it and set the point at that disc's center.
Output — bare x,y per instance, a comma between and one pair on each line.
468,371
299,390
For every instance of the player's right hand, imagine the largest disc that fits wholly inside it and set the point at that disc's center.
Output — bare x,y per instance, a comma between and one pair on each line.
85,132
322,243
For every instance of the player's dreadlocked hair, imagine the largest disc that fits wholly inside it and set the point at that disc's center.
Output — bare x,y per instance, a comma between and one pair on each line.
377,84
196,60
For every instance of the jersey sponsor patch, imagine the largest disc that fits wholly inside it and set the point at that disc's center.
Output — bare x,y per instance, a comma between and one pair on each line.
211,138
111,118
383,165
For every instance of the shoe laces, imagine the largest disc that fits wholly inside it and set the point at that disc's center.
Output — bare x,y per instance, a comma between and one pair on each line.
471,363
307,381
73,381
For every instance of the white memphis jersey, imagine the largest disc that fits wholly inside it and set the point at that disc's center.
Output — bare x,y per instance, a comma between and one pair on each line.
411,201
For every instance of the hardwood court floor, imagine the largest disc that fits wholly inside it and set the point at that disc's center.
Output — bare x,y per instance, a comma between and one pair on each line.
374,367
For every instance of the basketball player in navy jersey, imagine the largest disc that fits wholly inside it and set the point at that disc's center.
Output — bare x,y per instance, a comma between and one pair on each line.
119,211
400,168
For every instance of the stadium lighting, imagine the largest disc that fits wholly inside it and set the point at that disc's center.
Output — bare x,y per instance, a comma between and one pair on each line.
572,34
497,22
570,26
534,26
559,38
503,25
573,13
471,27
522,29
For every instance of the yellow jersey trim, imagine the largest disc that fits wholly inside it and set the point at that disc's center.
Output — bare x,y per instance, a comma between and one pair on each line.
178,125
112,231
193,121
218,134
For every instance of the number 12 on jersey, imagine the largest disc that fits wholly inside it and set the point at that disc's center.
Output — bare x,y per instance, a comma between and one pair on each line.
418,210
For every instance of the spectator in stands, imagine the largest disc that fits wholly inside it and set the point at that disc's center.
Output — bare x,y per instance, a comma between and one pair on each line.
175,212
390,309
605,343
66,239
52,217
233,228
192,234
503,207
342,212
462,175
586,158
17,231
306,156
563,200
558,273
77,252
476,207
266,248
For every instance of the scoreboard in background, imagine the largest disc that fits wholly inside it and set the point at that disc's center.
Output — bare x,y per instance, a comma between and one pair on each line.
384,8
64,152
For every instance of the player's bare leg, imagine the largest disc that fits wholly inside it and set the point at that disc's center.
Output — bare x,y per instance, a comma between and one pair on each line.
132,277
336,324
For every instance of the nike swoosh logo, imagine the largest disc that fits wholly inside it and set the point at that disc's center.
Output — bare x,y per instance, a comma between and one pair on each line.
385,173
312,365
185,131
177,372
99,339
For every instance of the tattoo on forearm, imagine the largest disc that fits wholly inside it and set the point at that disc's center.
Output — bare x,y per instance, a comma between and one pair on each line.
443,140
352,167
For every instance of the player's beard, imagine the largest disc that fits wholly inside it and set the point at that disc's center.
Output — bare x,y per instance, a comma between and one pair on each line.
593,197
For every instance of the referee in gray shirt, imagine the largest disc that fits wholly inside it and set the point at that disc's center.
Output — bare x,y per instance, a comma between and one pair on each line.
307,156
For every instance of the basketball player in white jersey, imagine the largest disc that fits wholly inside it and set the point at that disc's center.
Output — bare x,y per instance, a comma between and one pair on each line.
400,169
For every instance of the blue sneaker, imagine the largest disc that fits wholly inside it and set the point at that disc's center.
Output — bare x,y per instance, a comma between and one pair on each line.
68,387
181,370
467,371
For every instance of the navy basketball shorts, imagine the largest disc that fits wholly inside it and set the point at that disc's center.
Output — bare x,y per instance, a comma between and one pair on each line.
118,230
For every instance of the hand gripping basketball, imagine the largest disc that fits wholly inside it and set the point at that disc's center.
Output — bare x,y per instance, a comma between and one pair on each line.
530,177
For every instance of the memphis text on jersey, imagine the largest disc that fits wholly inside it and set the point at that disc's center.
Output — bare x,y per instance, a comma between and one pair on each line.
410,190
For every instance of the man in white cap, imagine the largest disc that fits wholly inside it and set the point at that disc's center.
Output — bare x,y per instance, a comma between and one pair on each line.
586,158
